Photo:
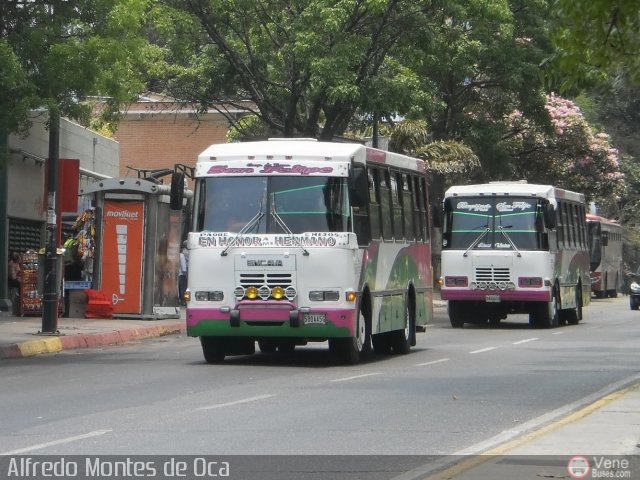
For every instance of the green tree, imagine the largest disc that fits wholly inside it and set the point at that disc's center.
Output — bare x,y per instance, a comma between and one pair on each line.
57,54
479,62
16,94
595,38
307,67
68,51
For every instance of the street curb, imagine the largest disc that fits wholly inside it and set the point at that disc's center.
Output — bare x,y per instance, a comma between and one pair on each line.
55,344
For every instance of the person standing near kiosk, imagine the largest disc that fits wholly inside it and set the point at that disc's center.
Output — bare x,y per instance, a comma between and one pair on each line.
14,280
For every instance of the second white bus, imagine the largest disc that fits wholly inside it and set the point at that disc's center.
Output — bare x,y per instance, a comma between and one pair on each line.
514,247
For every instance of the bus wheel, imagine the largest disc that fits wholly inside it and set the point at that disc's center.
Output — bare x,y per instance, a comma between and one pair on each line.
456,314
547,313
267,346
213,349
575,315
351,350
401,339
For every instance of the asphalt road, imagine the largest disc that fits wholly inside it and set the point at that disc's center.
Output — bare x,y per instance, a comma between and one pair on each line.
458,391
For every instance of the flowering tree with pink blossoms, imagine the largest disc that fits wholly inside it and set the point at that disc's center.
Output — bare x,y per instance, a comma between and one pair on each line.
568,153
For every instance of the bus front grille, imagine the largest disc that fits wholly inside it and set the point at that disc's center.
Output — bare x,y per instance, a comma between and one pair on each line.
492,274
269,279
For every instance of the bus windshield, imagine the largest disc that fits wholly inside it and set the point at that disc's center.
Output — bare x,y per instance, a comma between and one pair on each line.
493,223
261,204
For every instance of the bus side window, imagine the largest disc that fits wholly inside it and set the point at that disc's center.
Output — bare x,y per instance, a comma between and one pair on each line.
583,226
200,200
559,227
408,206
385,204
422,205
374,202
396,199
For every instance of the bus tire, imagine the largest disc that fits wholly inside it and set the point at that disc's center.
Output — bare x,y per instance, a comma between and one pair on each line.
213,349
351,350
456,314
547,314
401,339
575,315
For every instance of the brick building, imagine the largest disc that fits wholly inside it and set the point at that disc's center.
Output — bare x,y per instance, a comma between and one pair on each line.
156,132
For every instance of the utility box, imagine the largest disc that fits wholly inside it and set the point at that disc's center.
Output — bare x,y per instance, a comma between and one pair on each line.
137,250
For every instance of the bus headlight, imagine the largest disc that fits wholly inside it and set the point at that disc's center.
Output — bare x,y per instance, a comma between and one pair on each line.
252,293
324,295
290,293
204,296
264,292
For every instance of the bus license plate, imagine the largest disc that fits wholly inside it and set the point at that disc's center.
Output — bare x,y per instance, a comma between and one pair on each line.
314,318
492,298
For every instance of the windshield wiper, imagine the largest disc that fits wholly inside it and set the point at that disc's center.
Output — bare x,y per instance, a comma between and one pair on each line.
243,231
513,245
476,241
284,226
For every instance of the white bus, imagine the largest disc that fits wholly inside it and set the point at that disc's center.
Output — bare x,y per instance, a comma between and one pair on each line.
296,241
514,247
605,252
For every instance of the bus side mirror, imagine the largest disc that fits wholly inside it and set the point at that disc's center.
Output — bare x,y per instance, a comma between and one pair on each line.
605,239
177,191
549,214
359,188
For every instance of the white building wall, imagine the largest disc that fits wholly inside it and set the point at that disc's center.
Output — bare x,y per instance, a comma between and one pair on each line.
97,154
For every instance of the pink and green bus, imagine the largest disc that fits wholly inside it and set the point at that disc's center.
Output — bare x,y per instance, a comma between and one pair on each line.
296,240
514,247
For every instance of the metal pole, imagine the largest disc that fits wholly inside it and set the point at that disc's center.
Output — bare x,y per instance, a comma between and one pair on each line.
5,302
51,287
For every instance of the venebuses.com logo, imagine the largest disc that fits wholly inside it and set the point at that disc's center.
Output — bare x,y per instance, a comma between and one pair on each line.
598,467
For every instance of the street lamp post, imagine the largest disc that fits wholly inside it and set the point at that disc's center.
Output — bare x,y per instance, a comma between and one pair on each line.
50,292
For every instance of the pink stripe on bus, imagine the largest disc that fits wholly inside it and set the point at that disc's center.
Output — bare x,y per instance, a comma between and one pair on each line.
343,318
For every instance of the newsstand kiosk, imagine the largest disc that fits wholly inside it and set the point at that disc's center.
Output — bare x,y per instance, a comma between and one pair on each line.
137,248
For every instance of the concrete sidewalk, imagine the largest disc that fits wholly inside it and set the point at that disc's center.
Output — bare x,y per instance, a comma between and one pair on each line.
20,336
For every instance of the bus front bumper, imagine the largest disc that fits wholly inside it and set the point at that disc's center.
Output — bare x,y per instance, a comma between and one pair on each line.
496,295
270,319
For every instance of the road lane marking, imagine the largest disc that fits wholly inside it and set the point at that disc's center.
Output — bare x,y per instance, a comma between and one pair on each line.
526,340
557,333
346,379
482,350
40,446
236,402
432,362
